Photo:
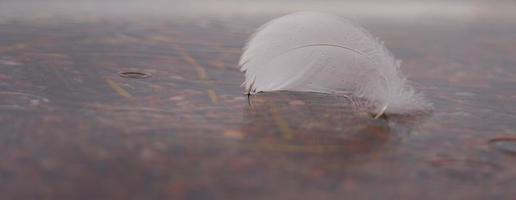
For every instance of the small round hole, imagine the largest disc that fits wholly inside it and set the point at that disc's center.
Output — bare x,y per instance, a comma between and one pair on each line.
504,144
135,75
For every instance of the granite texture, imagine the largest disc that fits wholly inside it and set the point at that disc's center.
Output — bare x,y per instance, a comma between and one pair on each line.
73,127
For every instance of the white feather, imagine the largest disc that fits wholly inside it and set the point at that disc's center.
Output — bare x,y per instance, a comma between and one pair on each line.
317,52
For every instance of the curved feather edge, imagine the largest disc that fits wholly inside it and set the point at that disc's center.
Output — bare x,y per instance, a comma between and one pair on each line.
286,52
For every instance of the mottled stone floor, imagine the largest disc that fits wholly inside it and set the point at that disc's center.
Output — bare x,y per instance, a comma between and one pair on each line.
73,127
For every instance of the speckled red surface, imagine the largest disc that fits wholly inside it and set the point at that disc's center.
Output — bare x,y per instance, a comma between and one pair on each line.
72,128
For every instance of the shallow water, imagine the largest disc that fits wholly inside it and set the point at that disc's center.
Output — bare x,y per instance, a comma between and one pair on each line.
71,127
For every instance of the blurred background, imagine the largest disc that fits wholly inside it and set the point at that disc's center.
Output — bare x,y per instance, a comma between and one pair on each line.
392,9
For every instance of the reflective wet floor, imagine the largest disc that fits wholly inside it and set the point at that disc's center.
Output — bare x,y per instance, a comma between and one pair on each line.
140,106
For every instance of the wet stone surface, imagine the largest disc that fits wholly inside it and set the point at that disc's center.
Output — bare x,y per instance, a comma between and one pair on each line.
73,127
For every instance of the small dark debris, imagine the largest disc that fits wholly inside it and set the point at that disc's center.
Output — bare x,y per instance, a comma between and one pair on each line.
134,75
